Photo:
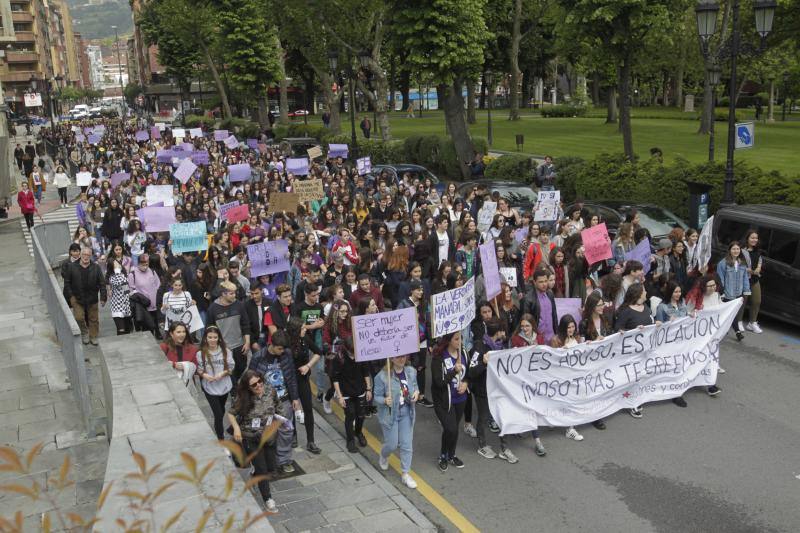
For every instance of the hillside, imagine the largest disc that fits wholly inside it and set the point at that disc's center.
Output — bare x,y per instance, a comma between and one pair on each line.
94,20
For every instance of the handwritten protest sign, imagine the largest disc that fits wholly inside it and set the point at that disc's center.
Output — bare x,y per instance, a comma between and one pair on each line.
224,208
535,386
510,275
155,133
142,135
485,215
283,201
521,234
702,254
546,212
188,237
641,252
200,157
252,144
238,213
596,243
364,165
388,334
83,179
549,196
239,172
196,132
155,219
491,274
179,133
268,257
187,147
118,177
185,170
568,306
161,126
453,310
231,142
297,165
220,135
337,150
94,139
309,190
314,152
190,316
159,193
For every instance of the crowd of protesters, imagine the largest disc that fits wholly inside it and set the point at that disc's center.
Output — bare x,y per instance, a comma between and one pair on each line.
373,243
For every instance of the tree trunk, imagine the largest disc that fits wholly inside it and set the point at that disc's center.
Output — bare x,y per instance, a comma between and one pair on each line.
405,88
665,91
309,91
771,107
223,94
513,56
624,72
331,101
471,102
526,88
391,83
596,89
679,73
611,114
453,104
263,110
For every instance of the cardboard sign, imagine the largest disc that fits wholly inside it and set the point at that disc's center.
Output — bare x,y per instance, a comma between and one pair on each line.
491,274
159,194
337,150
309,190
185,170
224,208
188,237
485,215
314,152
510,275
388,334
283,201
179,133
596,243
220,135
641,252
364,165
268,257
83,179
241,172
196,132
571,306
118,177
453,310
156,219
231,142
238,214
297,166
142,135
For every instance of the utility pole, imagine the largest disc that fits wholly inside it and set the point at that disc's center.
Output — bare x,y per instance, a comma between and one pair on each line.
5,156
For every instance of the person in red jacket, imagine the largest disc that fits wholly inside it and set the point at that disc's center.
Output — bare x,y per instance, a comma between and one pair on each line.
178,347
537,252
366,290
347,247
27,204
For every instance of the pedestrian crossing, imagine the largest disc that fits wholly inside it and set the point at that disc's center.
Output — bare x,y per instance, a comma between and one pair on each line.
67,214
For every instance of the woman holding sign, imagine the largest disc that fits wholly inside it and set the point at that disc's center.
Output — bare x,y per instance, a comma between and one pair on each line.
449,372
396,396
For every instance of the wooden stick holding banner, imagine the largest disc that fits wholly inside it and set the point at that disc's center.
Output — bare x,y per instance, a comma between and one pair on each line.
389,381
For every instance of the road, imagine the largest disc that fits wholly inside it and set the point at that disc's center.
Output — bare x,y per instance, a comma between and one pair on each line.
725,464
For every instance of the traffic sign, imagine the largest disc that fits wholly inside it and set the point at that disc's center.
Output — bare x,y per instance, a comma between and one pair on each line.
745,135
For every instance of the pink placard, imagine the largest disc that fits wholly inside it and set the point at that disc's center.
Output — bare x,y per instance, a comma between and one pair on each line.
238,213
596,243
185,170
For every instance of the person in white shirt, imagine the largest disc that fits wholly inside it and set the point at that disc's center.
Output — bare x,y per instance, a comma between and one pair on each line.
61,181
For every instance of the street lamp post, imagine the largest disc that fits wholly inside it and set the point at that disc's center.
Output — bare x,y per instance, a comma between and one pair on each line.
713,80
333,62
119,65
706,13
489,104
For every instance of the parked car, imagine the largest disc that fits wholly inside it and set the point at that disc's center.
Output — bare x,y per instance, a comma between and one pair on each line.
520,196
778,229
657,220
298,113
397,170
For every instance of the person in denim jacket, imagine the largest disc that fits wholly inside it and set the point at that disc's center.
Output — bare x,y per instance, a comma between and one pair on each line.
396,402
732,273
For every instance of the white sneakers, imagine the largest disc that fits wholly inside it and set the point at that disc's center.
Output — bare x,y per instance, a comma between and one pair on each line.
469,429
383,462
754,327
573,434
741,325
487,452
270,504
408,481
326,406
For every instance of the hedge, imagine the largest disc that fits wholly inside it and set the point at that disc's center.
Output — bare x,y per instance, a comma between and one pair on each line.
242,127
195,121
613,177
564,111
515,167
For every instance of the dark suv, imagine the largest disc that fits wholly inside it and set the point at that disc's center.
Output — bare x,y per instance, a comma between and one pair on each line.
778,229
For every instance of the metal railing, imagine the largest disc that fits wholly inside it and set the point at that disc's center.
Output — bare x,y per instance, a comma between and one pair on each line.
67,331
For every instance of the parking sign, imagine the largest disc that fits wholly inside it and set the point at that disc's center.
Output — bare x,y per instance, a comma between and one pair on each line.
745,137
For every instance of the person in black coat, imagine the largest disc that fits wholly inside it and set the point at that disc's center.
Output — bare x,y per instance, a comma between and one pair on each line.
256,307
440,237
112,230
83,280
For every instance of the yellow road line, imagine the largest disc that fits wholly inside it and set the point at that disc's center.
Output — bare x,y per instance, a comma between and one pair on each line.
429,493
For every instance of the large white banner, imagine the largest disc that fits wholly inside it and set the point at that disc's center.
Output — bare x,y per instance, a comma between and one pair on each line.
538,385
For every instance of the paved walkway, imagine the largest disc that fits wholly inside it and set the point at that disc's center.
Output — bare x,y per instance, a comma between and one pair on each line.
36,404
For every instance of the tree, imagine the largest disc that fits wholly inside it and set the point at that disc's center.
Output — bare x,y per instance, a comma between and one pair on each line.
252,57
446,40
620,27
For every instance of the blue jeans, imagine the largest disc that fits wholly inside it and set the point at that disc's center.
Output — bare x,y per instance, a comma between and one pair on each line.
320,378
399,437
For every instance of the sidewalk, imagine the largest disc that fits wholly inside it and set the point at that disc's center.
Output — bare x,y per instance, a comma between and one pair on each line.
36,404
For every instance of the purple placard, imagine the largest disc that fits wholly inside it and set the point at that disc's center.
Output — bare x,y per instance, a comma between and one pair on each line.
142,135
571,306
155,133
94,139
388,334
224,208
165,156
491,274
239,172
364,165
220,135
520,234
185,170
187,146
155,219
641,252
87,130
268,258
200,157
80,137
252,144
297,166
118,177
231,142
337,150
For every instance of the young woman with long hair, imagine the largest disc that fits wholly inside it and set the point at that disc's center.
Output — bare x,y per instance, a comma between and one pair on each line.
215,366
735,280
754,258
449,372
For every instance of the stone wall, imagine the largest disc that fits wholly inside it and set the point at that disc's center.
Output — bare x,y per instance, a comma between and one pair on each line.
151,412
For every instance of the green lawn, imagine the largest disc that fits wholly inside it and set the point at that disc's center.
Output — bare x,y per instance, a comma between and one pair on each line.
777,145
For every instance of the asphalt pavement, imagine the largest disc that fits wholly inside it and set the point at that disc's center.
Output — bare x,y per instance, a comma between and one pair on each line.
725,464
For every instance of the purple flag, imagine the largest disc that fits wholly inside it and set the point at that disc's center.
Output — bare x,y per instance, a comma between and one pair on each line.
239,172
297,166
155,133
185,170
118,177
231,142
268,258
641,252
337,150
142,135
156,219
491,274
220,135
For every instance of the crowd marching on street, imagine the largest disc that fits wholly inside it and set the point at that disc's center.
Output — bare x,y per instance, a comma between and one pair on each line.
166,243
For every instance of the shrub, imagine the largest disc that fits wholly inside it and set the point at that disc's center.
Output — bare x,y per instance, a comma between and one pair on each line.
564,111
195,121
242,127
280,132
516,167
307,130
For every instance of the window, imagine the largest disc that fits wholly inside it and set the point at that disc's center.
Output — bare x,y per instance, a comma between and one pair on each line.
732,230
783,247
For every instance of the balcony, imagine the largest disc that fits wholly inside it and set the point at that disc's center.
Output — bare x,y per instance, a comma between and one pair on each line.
22,57
25,36
21,16
19,76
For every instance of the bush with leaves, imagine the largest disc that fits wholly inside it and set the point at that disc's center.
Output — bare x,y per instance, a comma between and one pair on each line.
515,167
241,127
564,111
195,121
